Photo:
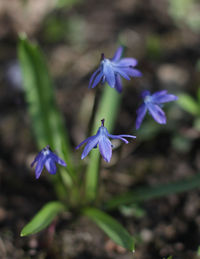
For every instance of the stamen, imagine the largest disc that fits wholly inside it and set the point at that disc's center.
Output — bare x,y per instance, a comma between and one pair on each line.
102,56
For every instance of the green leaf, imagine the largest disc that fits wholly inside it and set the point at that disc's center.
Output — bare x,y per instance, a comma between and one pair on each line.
66,3
198,251
147,193
108,109
188,104
153,47
132,210
198,94
46,120
43,218
111,227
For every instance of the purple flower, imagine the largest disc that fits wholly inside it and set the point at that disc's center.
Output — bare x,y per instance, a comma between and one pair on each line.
153,104
111,70
102,139
48,159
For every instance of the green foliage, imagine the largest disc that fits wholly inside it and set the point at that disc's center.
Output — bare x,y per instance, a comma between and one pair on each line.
153,47
108,109
66,3
61,28
147,193
46,120
197,124
181,143
198,251
185,12
132,210
198,95
189,104
48,127
111,227
43,218
192,106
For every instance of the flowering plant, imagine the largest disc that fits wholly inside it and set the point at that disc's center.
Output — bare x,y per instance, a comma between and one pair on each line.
50,133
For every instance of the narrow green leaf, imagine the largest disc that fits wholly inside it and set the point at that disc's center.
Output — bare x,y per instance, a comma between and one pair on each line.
198,95
111,227
198,251
188,104
66,3
108,109
43,218
46,120
147,193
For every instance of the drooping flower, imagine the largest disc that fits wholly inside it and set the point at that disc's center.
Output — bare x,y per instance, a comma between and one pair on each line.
153,104
102,139
111,70
48,159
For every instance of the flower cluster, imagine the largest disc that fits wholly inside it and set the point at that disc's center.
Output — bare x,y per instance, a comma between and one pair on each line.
110,71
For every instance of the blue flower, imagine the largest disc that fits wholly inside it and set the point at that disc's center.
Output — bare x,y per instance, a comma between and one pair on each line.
102,139
111,70
48,159
153,104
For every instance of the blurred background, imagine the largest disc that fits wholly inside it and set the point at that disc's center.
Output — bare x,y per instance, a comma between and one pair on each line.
165,38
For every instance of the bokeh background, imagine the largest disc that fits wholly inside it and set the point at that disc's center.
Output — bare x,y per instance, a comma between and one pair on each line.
164,36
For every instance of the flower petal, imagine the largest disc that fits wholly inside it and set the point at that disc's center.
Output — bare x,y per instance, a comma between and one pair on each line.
37,158
118,54
159,93
145,93
157,113
141,111
97,79
121,72
57,159
163,97
39,167
118,83
109,74
135,72
127,62
83,142
105,148
121,137
92,142
50,165
93,76
131,72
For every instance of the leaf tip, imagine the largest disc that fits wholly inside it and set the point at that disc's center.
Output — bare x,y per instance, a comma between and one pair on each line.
22,234
22,36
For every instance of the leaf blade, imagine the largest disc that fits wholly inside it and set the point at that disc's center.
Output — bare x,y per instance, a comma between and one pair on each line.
43,218
108,109
188,104
111,227
147,193
47,122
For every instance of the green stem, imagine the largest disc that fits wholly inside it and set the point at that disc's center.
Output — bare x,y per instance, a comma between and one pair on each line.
108,109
